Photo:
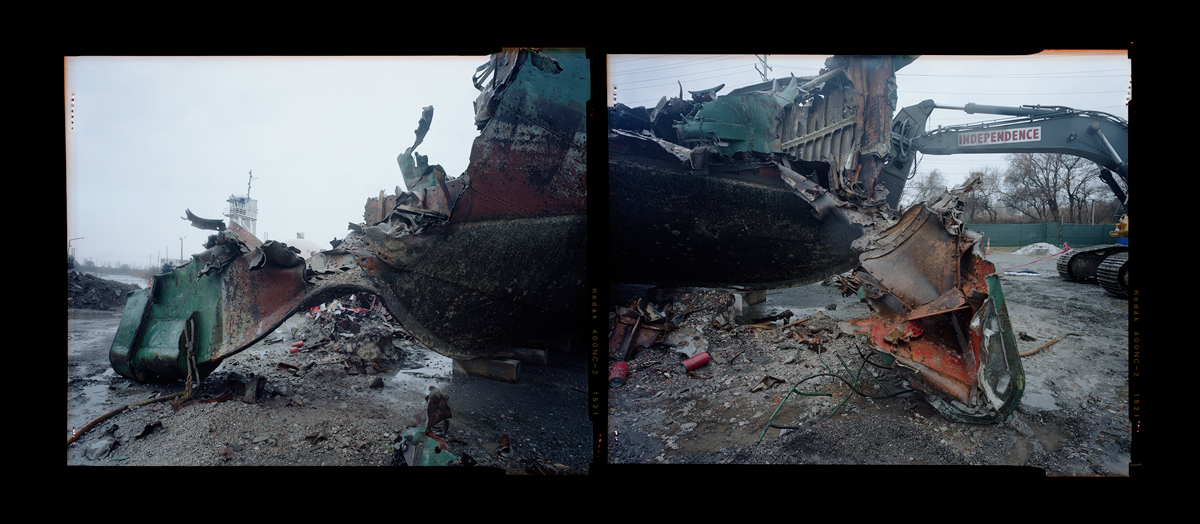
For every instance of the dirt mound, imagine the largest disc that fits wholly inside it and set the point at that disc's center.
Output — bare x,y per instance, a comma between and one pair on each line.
90,292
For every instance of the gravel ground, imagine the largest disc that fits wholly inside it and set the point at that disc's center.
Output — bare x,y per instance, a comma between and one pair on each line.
1073,420
543,415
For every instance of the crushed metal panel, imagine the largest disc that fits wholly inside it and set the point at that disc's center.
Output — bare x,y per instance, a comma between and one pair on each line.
537,127
418,445
634,331
827,129
745,121
939,311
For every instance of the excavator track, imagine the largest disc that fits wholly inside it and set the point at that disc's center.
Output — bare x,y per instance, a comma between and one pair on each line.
1082,265
1113,274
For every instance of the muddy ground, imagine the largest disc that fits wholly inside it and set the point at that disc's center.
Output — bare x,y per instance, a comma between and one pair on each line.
544,415
1073,419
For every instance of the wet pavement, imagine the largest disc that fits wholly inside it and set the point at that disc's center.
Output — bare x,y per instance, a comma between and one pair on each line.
543,415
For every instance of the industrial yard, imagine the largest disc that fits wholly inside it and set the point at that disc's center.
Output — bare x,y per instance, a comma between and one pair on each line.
1073,419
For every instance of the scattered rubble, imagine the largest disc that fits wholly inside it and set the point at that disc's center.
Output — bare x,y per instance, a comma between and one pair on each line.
354,407
102,446
1073,421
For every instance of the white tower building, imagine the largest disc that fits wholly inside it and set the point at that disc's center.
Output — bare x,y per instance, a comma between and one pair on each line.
243,210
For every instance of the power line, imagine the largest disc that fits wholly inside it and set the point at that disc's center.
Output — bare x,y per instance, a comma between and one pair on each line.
1018,94
680,77
673,65
1055,74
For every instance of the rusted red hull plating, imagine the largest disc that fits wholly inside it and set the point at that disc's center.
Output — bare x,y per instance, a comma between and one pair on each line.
925,284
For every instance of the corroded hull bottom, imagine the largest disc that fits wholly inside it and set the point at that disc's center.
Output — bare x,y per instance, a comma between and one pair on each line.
467,290
669,227
476,289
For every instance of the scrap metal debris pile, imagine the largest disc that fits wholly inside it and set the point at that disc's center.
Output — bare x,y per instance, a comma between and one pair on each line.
419,445
709,370
346,326
91,292
691,323
794,180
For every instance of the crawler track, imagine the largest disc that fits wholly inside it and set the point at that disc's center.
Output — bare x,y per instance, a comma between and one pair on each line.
1113,274
1106,264
1081,265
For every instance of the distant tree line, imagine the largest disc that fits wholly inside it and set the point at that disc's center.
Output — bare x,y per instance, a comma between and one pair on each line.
89,266
1034,187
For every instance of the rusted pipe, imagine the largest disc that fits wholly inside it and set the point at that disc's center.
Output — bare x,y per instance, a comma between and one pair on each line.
116,411
1046,345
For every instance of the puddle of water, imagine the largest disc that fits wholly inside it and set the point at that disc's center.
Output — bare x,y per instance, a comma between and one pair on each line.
1050,439
411,385
1083,386
713,435
1038,399
108,373
126,279
93,314
1019,453
1036,393
92,402
1118,465
806,301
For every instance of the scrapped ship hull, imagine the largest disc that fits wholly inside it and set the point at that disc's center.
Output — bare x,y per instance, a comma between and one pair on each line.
794,181
741,227
469,266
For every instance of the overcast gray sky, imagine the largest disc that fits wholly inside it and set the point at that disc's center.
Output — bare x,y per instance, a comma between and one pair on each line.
148,137
1098,81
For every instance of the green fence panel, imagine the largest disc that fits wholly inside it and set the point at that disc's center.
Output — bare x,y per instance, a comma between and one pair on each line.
1003,235
1083,235
1018,235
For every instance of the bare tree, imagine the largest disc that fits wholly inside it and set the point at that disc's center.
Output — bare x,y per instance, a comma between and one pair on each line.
923,189
1050,186
984,198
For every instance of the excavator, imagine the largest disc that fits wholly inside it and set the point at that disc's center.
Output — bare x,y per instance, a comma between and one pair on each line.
1096,136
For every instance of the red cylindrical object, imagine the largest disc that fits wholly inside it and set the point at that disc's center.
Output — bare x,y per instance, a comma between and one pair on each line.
617,378
297,344
699,360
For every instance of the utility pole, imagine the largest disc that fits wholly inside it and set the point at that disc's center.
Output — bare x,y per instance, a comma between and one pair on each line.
765,68
181,248
71,250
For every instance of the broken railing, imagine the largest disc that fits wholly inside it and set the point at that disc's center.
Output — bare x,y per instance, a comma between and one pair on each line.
937,305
